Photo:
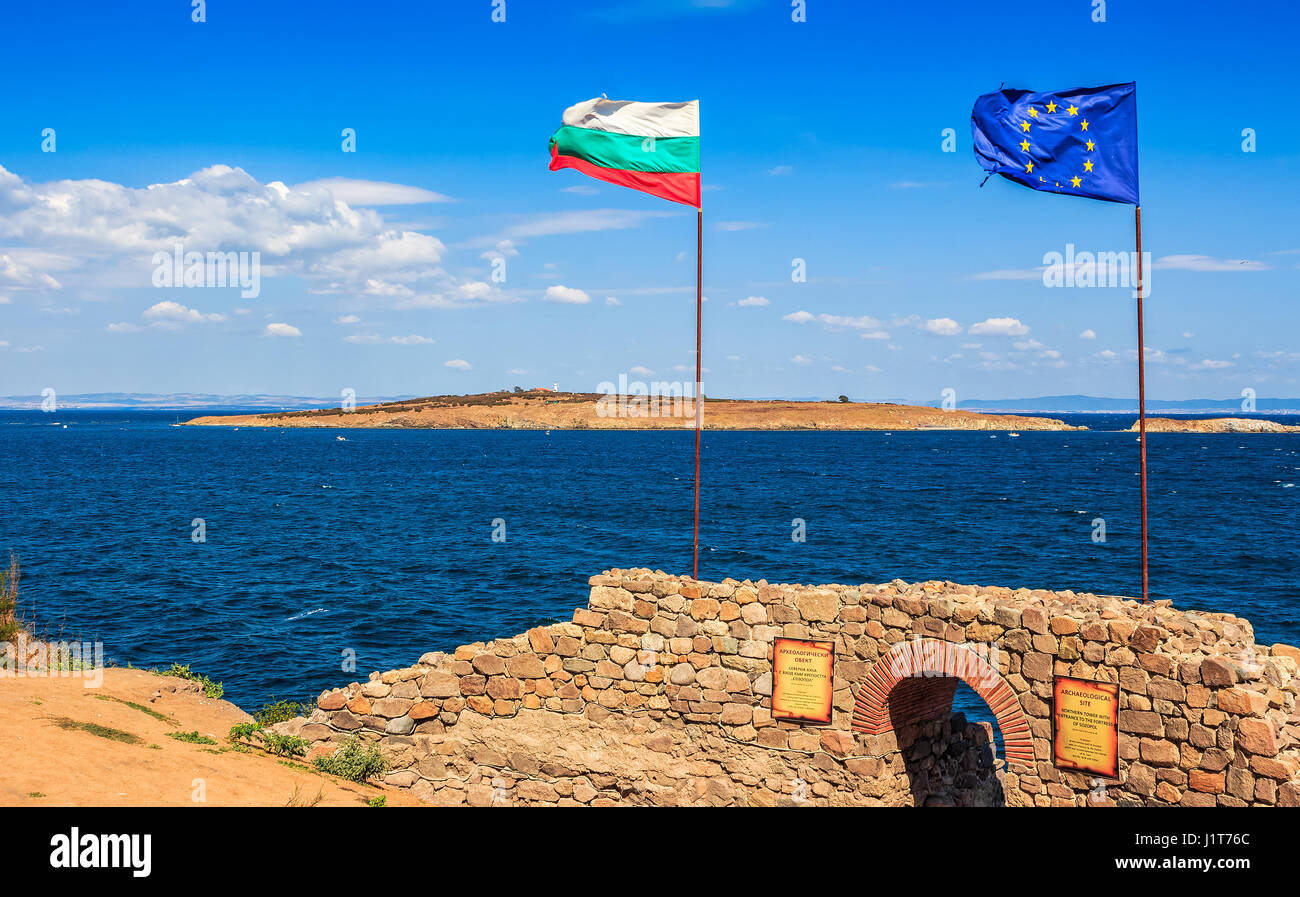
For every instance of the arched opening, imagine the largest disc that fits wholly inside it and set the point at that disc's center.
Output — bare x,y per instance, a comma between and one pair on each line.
948,758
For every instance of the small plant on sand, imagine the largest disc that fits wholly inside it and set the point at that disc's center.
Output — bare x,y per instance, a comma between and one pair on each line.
192,737
284,745
353,762
162,717
298,799
244,732
380,801
96,729
210,688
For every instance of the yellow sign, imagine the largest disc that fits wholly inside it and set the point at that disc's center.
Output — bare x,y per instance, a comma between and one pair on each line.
1085,726
802,676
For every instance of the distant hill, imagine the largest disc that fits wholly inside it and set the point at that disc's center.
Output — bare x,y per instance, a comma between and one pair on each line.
183,401
1084,404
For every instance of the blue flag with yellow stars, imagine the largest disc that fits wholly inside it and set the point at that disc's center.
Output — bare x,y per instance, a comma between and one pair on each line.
1080,142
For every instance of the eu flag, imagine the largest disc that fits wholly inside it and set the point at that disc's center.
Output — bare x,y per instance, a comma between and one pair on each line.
1081,142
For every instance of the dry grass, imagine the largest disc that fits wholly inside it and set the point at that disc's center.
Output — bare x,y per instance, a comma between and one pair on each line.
9,623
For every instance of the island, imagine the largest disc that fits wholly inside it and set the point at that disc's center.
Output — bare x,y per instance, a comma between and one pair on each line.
1215,425
541,409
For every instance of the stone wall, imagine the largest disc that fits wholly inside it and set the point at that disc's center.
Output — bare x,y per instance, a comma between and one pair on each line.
659,692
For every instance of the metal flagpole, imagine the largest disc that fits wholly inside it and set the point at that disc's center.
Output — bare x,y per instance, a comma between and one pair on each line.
1142,399
699,397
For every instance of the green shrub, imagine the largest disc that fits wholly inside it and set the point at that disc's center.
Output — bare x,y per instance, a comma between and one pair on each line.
210,688
244,732
380,801
353,762
284,745
192,737
281,711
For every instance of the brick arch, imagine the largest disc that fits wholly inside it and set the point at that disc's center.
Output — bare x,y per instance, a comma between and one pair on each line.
897,692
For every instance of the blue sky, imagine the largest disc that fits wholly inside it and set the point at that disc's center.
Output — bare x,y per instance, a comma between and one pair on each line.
821,140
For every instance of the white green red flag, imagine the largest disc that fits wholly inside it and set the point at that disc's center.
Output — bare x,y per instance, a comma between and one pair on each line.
652,147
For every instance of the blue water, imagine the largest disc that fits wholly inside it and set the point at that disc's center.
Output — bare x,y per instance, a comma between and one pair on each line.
382,544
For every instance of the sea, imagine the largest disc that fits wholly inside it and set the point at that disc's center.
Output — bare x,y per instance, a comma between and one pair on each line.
272,559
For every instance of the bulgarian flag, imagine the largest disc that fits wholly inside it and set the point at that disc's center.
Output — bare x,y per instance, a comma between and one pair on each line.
652,147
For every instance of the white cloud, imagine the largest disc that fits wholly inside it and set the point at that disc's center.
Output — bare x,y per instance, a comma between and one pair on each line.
458,364
372,193
1088,334
942,327
110,232
475,289
374,338
752,301
504,249
801,359
169,315
282,330
1207,263
347,319
1027,345
999,327
612,300
874,326
15,274
582,221
566,295
641,371
1211,364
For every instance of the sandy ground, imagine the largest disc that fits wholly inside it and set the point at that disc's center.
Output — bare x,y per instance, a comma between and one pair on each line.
587,411
48,761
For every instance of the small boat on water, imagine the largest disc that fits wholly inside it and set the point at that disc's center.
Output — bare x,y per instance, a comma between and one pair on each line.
340,439
1013,435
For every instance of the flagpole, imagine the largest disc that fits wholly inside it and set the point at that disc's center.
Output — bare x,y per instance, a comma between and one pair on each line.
1142,399
699,397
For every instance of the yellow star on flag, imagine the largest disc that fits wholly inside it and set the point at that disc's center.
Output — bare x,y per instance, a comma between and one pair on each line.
1085,124
1024,145
1075,180
1024,126
1051,107
1087,165
1034,113
1029,166
1073,110
1090,145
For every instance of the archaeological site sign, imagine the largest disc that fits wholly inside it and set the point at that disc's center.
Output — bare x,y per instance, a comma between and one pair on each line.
802,673
1085,726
